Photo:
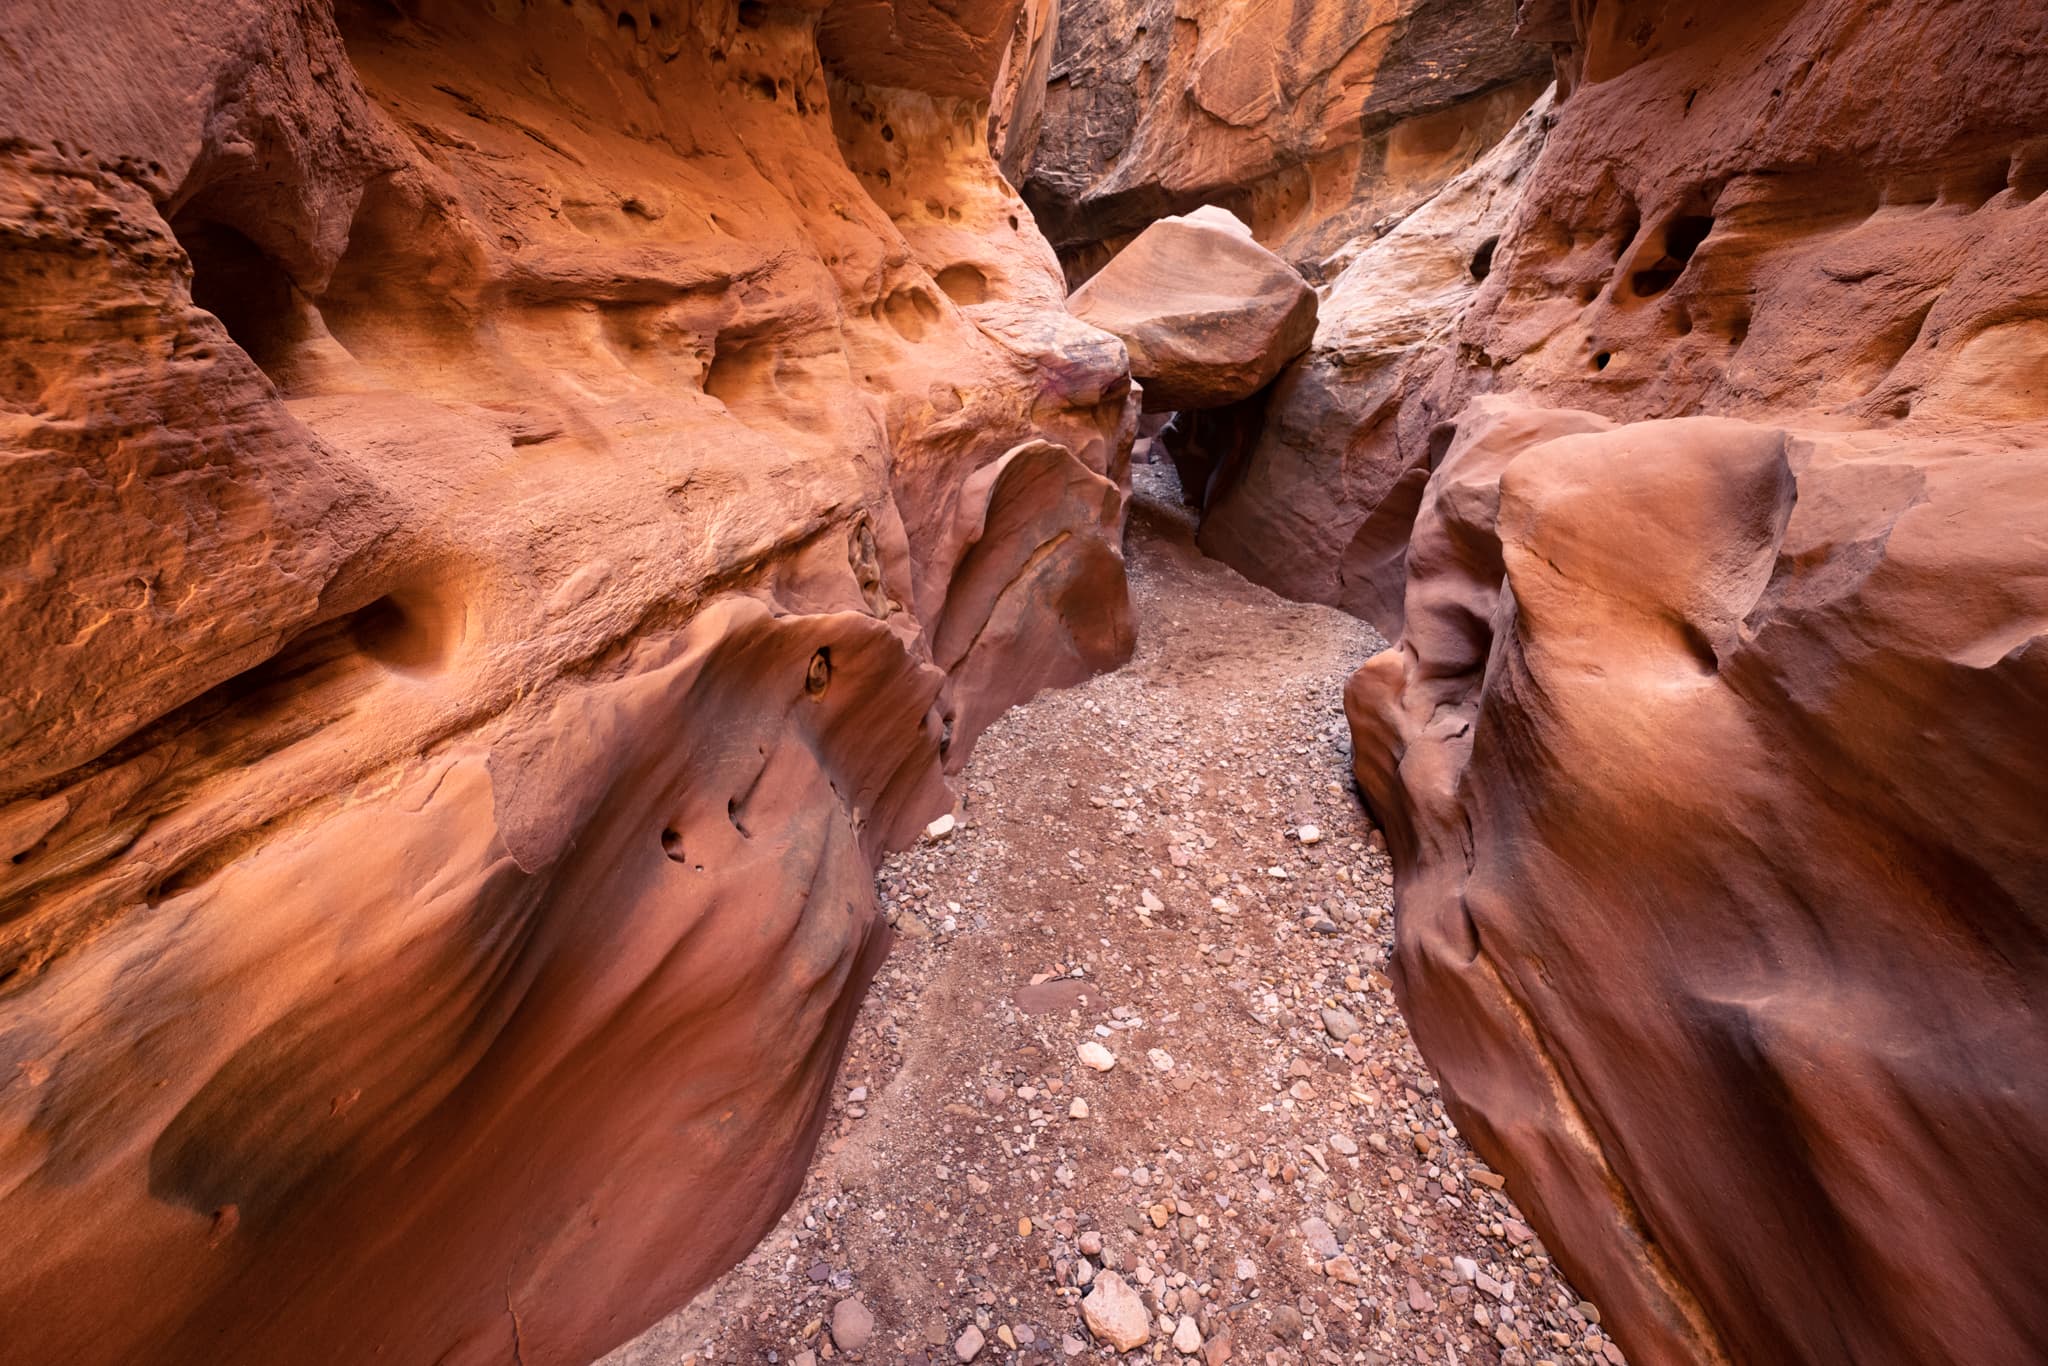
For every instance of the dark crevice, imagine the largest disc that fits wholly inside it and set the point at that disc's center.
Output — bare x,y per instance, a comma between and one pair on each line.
1482,259
248,291
1682,237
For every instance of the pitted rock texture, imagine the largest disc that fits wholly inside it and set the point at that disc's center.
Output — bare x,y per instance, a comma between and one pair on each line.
1312,121
1710,753
1208,315
509,511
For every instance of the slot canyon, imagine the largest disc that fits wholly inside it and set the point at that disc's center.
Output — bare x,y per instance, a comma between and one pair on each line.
1024,681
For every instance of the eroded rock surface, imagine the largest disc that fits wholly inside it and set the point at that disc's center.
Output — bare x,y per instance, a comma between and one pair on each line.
1711,752
1311,488
1208,315
508,511
1697,437
1310,121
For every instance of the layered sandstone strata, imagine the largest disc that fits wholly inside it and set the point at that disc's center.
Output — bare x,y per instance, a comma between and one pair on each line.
509,508
1311,121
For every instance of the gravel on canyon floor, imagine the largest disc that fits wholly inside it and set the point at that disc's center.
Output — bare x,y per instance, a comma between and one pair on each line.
1132,1084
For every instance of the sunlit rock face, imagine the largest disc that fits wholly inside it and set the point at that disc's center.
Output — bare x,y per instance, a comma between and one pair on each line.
1207,314
1311,121
505,512
1712,752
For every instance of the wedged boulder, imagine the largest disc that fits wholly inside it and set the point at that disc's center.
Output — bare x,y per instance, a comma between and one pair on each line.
1311,490
1209,315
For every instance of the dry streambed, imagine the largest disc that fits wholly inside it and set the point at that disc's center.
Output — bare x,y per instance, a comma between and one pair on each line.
1134,1074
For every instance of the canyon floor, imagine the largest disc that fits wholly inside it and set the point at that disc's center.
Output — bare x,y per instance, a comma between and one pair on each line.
1169,862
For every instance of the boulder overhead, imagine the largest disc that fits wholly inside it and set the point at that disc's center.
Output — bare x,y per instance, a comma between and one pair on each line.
1209,315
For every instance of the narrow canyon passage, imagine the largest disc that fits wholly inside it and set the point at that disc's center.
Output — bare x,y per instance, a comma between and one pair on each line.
619,742
1170,862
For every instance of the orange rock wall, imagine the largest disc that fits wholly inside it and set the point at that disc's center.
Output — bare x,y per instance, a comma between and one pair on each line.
1712,749
1311,120
1694,439
506,510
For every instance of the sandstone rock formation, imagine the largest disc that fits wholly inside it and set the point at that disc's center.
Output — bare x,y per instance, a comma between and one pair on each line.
1017,105
1697,439
1208,315
1712,751
508,509
1311,488
1310,121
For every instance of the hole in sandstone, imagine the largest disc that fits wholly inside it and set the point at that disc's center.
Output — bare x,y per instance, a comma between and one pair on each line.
1482,259
732,813
1014,224
888,133
1969,187
752,13
1440,438
910,311
2029,176
764,86
964,284
408,634
1625,231
820,672
740,371
672,845
1600,359
627,24
1682,237
246,290
1697,645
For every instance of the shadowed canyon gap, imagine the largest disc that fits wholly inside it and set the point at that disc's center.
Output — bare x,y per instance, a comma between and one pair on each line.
510,510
